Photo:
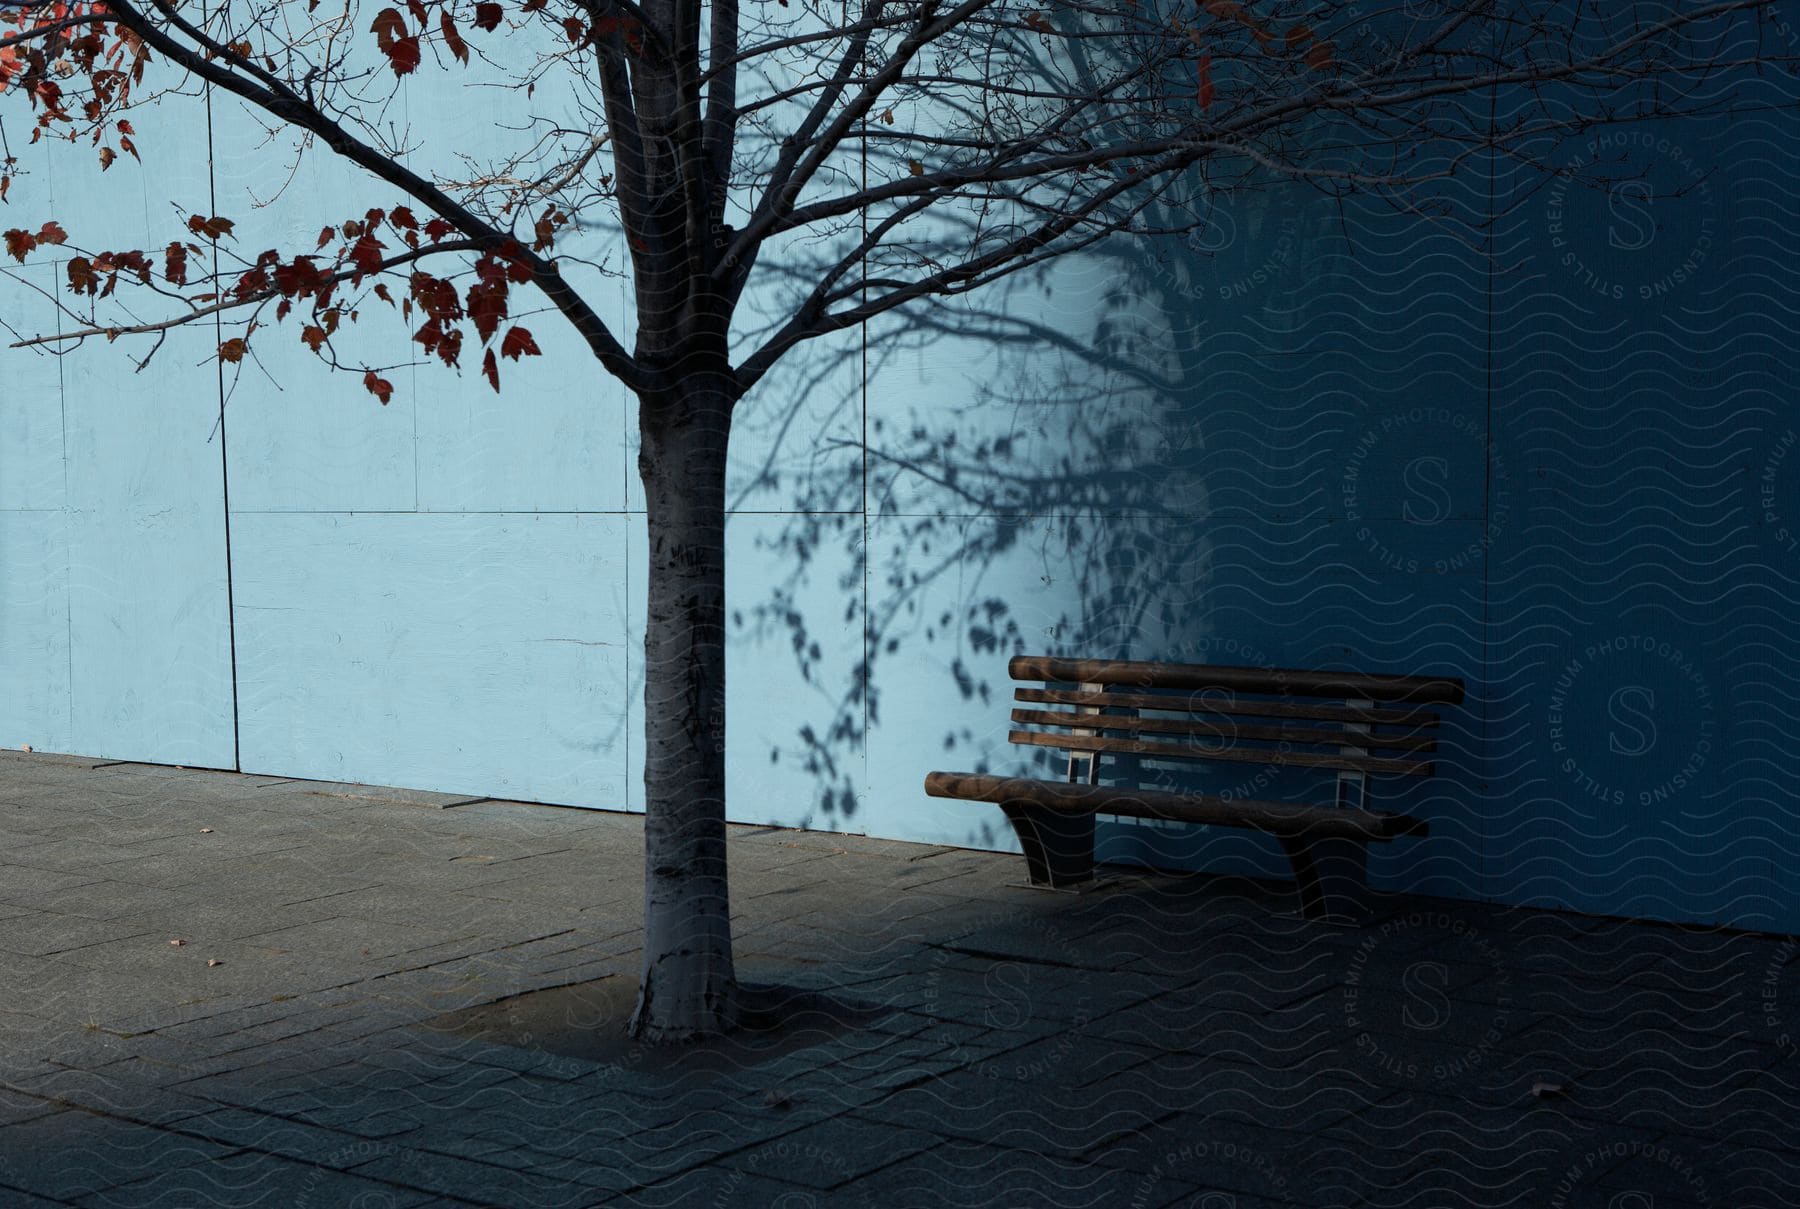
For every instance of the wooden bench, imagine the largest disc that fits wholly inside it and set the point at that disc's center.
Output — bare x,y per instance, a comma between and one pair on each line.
1350,725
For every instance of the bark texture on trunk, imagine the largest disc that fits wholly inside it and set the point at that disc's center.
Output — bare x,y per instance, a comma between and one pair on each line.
689,988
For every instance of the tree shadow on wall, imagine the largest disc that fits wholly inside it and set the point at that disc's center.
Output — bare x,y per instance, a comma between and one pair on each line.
1031,477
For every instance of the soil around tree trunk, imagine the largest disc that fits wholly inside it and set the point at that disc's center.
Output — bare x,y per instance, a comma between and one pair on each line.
587,1021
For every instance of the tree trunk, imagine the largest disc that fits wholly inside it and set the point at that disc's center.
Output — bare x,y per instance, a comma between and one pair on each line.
689,988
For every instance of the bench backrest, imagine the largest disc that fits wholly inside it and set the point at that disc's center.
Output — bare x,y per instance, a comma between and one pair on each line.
1344,721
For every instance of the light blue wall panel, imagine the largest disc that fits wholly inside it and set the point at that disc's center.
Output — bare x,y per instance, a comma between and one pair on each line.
31,406
1643,373
150,637
474,654
34,630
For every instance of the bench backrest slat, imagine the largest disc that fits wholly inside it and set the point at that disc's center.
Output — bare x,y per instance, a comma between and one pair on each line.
1237,755
1222,728
1215,703
1126,673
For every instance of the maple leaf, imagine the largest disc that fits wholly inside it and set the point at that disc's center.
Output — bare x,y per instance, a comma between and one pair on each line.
380,387
488,16
452,39
326,235
81,276
487,306
212,227
518,343
175,263
233,350
492,370
389,28
438,228
106,158
52,232
313,336
19,244
366,255
404,55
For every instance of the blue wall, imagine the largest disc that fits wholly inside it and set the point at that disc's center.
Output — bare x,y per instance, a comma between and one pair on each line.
1555,455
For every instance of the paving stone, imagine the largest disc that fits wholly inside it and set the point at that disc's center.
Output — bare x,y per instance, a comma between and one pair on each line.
831,1153
243,1181
69,1154
968,1175
483,1183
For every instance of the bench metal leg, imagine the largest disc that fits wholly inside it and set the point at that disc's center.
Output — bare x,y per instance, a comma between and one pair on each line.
1332,875
1058,844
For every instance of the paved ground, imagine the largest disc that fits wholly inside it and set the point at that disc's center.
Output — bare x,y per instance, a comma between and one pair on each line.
1169,1041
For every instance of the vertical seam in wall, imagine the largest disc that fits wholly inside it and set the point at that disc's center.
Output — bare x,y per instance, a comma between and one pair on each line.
68,515
1487,483
868,666
212,197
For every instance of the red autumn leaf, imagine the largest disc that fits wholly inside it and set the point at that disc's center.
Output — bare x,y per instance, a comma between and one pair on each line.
175,263
365,254
1319,57
313,337
212,227
452,39
326,235
52,232
233,350
492,370
487,307
81,276
282,309
518,343
1297,34
19,244
381,292
106,158
488,16
1204,88
417,8
125,127
402,217
449,346
438,228
299,278
381,388
533,6
403,56
575,28
389,27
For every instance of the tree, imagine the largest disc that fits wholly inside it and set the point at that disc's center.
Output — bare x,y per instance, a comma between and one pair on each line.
846,161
